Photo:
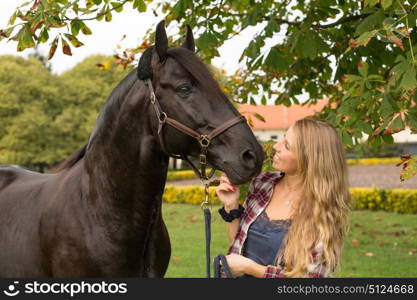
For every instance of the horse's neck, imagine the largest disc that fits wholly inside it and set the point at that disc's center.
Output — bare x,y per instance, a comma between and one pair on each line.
126,167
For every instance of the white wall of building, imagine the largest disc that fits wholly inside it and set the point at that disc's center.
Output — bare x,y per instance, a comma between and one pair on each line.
266,135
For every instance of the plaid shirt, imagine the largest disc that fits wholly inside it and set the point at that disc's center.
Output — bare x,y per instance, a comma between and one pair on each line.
259,194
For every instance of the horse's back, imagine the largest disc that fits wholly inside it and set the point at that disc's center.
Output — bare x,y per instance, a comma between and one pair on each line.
20,212
19,185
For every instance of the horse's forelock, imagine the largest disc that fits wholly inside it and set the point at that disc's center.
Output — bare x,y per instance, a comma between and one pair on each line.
197,69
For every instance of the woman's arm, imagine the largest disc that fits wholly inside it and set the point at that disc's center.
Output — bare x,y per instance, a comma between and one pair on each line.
233,226
317,268
240,265
270,271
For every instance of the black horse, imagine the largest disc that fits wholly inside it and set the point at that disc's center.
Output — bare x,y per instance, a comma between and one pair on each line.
100,214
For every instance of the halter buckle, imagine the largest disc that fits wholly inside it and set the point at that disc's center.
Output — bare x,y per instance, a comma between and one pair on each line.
203,159
153,98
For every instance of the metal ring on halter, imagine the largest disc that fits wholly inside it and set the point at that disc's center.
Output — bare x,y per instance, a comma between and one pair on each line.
164,117
204,141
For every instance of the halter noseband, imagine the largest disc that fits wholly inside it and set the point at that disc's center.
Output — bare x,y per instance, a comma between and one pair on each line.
203,139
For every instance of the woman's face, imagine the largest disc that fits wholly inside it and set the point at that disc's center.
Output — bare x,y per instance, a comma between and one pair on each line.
284,159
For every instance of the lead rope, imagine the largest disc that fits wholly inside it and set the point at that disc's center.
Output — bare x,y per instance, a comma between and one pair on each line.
207,226
220,261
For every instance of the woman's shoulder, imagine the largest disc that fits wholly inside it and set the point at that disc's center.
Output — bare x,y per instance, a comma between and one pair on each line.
268,176
265,180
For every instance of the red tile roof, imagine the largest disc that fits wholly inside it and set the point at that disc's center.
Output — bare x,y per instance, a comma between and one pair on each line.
279,116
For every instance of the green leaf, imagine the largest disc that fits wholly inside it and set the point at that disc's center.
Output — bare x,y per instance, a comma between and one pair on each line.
388,23
277,60
397,124
259,117
388,139
412,17
312,44
312,89
26,39
409,80
272,27
252,51
365,37
363,68
371,3
353,78
140,5
386,109
364,127
12,19
252,19
386,3
346,138
412,120
206,40
44,36
85,29
375,141
108,17
398,70
73,40
75,27
369,23
117,6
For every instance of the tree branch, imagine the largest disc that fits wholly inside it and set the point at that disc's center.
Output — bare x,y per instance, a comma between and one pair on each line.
342,20
99,14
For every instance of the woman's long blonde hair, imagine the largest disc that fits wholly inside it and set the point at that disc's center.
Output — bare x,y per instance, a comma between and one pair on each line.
322,213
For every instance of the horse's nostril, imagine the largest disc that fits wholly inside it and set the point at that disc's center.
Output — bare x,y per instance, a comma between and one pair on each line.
248,156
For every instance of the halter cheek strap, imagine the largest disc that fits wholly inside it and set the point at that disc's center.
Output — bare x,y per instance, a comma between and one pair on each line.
203,139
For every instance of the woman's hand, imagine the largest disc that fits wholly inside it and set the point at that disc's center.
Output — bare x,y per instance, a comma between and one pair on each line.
228,193
238,264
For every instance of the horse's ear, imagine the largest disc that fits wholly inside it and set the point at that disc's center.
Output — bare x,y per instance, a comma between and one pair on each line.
189,40
161,41
144,66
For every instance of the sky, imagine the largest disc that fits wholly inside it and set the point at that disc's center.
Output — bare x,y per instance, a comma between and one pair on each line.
107,35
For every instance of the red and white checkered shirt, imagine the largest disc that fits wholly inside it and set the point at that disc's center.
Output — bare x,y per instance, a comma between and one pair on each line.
258,197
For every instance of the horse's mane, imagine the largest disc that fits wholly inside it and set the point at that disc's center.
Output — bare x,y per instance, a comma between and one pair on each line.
72,159
112,106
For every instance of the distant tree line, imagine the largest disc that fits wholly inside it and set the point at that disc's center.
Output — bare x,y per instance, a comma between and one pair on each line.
45,117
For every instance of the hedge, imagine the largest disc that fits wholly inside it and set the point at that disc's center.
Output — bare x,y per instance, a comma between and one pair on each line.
187,174
395,200
374,161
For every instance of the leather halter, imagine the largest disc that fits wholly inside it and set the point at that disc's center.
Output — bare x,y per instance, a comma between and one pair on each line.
203,139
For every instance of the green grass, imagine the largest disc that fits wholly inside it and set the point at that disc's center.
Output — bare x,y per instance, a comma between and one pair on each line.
385,246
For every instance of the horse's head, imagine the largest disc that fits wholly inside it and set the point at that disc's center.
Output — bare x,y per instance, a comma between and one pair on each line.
187,93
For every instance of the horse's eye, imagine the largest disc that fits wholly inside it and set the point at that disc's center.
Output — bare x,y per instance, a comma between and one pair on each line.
183,90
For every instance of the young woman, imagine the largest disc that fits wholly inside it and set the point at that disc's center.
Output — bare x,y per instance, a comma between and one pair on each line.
293,221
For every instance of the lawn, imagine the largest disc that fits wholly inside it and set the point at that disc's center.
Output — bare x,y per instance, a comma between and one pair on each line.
378,244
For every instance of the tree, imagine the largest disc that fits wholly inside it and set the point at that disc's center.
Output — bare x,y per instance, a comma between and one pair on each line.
29,102
85,90
360,55
44,117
